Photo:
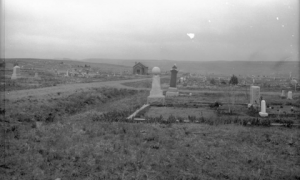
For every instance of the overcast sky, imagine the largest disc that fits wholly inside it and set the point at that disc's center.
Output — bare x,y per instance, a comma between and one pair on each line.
153,29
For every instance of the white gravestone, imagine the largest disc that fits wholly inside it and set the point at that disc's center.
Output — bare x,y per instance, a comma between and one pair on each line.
290,95
36,76
156,96
16,73
254,96
67,73
263,112
282,94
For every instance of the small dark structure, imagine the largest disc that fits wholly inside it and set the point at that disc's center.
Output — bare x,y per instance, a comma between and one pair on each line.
139,68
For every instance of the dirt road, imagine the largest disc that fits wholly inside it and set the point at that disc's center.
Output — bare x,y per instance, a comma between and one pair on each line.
65,89
71,88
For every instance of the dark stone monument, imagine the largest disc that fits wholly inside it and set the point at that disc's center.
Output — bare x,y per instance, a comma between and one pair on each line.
173,91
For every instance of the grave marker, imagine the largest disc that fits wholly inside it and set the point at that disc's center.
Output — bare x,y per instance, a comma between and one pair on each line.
254,96
282,94
173,91
263,112
290,95
16,72
36,76
156,96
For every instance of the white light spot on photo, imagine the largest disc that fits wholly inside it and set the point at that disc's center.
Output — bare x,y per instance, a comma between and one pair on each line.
277,18
191,35
209,21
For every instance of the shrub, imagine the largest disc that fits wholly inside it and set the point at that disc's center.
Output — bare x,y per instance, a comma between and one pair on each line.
233,80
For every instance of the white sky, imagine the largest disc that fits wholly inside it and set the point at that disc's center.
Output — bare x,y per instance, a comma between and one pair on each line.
152,29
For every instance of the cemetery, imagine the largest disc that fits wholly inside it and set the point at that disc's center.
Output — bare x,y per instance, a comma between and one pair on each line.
230,105
150,90
33,73
112,129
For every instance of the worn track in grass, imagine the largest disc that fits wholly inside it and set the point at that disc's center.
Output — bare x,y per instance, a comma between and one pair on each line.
71,88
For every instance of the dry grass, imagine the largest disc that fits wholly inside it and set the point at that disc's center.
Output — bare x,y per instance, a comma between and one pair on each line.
181,112
81,149
73,146
76,147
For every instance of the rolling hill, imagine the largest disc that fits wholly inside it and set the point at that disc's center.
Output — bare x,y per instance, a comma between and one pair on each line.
268,68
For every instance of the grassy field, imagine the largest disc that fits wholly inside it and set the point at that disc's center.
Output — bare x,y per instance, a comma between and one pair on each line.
62,137
207,87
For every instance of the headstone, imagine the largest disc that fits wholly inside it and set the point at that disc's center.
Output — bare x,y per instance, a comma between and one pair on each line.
282,94
67,74
254,96
173,91
263,112
36,76
290,95
16,72
156,96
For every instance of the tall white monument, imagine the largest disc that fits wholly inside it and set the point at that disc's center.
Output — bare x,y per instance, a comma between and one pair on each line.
16,72
156,96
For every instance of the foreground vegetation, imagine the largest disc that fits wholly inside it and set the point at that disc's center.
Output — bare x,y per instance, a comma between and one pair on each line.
65,137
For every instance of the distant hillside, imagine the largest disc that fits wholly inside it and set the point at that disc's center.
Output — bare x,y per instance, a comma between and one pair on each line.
217,67
62,65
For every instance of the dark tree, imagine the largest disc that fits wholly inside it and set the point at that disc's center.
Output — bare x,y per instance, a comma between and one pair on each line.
212,81
233,80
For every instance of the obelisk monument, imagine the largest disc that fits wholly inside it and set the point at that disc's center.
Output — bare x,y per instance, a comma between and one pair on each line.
156,96
173,91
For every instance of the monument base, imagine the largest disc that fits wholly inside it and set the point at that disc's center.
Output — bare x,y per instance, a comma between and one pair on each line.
262,114
254,105
15,76
172,92
156,100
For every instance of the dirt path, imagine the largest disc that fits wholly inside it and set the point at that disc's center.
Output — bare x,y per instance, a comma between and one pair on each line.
66,89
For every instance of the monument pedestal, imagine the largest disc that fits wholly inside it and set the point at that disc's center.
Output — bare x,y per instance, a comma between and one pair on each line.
156,100
172,92
263,114
16,73
15,76
156,96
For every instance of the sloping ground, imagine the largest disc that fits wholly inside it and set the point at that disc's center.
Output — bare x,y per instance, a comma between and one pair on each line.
63,89
62,137
280,67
